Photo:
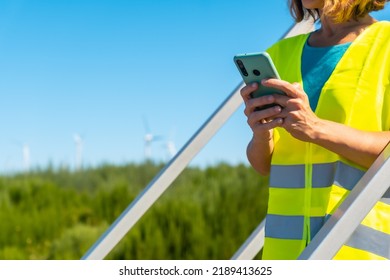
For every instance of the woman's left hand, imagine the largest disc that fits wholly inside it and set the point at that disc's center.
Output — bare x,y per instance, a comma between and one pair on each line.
298,118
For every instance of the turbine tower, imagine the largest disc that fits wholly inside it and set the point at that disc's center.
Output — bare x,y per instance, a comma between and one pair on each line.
149,137
170,146
26,157
25,154
79,151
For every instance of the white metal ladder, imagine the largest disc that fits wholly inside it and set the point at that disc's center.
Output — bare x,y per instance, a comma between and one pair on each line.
255,242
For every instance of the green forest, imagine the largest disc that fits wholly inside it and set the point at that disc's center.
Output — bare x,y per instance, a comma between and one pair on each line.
206,214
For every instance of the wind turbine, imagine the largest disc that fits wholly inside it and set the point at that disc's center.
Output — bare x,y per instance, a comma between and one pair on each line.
79,151
26,157
149,137
170,146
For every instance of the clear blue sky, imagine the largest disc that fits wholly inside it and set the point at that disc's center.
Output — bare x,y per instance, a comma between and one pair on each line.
99,68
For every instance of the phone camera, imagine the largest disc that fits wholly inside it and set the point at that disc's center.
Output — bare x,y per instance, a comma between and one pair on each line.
242,67
256,72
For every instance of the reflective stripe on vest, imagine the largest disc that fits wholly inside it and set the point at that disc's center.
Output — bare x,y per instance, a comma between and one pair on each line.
364,238
290,227
323,174
368,239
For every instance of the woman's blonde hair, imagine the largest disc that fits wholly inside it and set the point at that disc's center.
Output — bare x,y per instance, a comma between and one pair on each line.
338,10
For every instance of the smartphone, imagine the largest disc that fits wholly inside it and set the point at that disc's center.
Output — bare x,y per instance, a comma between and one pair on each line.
255,67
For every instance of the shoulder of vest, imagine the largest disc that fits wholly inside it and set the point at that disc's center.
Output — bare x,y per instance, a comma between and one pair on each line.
289,42
287,52
287,46
377,35
383,24
383,27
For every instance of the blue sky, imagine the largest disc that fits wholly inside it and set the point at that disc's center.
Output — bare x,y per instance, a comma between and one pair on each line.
100,68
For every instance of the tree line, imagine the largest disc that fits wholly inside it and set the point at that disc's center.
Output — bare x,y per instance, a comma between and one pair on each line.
207,213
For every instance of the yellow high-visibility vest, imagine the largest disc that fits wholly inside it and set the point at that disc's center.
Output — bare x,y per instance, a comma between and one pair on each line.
308,182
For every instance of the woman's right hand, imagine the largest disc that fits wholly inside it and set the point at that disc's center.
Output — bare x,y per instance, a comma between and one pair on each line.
260,121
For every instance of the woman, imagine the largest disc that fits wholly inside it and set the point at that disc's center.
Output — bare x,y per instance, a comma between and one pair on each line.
334,121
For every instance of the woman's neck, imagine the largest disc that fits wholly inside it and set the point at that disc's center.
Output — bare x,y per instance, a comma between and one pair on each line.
332,33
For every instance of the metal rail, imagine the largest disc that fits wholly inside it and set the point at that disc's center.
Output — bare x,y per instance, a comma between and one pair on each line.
173,169
252,245
164,179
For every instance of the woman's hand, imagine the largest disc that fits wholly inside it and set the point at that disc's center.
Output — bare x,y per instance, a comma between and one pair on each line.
297,117
260,121
358,146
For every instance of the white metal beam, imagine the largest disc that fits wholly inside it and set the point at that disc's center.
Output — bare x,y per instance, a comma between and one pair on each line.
172,170
163,180
252,245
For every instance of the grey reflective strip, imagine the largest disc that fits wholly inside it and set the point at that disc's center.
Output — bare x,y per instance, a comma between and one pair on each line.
316,224
285,227
387,194
386,197
347,176
287,176
370,240
324,175
290,227
385,200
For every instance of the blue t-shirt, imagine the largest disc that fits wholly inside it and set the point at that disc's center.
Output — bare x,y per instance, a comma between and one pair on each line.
317,65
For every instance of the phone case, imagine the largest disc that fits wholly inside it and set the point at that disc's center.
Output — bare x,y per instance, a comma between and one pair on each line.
255,67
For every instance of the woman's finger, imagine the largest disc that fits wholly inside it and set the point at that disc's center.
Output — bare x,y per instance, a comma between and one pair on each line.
291,90
247,90
263,116
258,103
267,125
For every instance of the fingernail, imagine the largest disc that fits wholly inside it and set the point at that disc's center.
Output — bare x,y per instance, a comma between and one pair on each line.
254,85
